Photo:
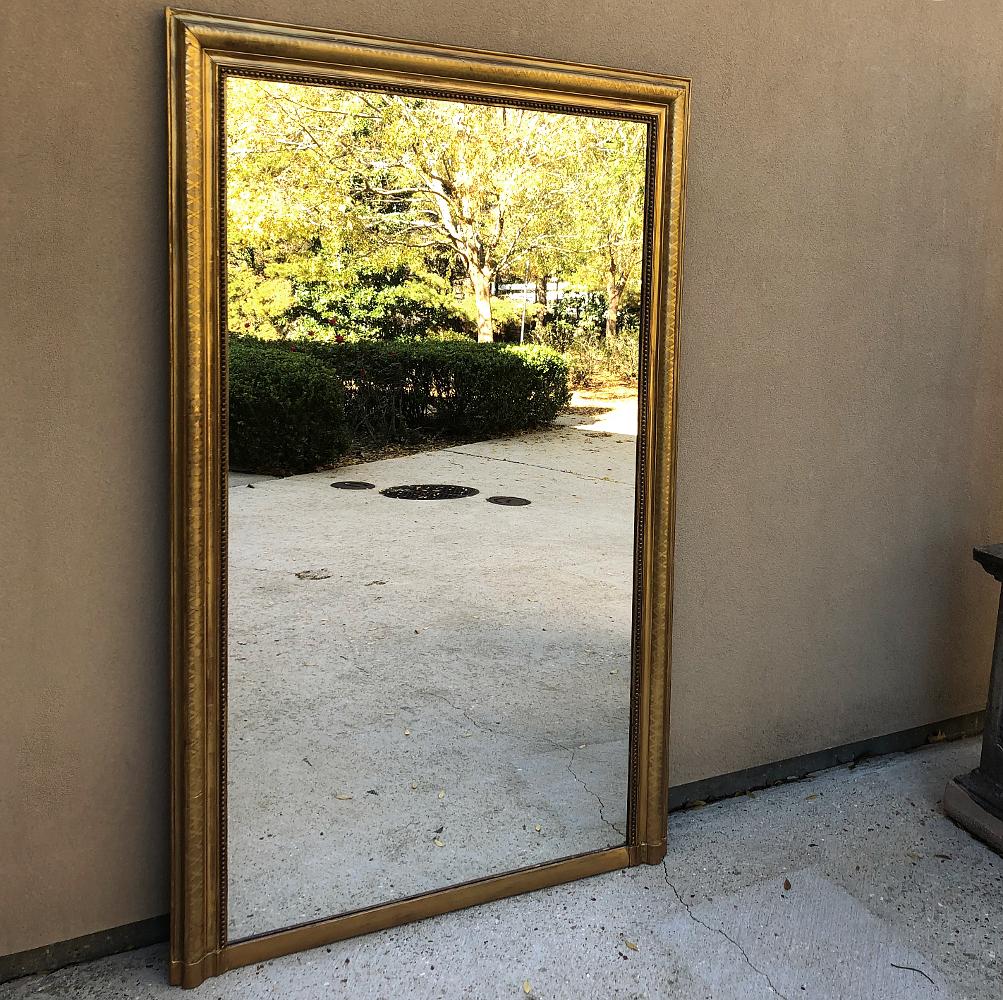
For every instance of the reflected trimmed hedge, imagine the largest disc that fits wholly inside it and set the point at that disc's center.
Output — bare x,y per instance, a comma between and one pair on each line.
402,392
286,411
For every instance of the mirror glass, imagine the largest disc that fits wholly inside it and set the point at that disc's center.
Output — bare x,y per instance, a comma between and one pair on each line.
434,309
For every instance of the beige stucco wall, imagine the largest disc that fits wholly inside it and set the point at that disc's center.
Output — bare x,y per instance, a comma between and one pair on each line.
839,414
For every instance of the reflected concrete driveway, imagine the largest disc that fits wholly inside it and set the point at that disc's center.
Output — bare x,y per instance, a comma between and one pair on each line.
426,692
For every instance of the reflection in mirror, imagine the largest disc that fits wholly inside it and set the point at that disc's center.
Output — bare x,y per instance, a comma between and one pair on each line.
433,306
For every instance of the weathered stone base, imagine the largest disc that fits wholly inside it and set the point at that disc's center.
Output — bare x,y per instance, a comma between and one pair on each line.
973,814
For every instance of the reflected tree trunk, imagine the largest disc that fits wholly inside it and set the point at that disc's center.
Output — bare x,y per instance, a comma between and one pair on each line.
541,291
615,286
480,280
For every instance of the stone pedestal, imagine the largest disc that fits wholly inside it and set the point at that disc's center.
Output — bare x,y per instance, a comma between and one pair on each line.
975,799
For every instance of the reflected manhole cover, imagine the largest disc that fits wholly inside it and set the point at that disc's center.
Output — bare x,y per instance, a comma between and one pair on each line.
509,501
429,491
352,484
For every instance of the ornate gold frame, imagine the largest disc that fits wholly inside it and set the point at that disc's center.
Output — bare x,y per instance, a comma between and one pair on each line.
201,50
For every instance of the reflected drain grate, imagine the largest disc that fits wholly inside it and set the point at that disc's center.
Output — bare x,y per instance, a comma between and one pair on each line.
509,501
352,484
429,491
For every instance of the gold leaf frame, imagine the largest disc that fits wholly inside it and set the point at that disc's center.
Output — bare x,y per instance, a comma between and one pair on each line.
202,49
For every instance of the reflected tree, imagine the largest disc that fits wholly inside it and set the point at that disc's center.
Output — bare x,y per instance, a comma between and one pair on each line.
323,180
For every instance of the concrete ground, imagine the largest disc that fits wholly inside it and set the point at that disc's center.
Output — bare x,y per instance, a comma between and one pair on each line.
426,692
887,900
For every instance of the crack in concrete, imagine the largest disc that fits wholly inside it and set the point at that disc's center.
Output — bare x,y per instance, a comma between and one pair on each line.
456,708
595,795
534,465
574,774
719,930
546,739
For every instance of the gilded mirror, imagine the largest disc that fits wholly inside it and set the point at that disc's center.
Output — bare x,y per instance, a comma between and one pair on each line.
424,311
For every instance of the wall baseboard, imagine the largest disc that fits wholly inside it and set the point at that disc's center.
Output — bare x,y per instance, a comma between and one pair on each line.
753,778
155,929
128,937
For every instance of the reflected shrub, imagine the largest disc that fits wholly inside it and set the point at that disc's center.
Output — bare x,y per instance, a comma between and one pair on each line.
388,392
399,391
286,410
575,325
593,359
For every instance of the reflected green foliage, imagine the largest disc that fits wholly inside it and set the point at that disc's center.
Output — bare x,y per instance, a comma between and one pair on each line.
576,325
386,304
403,391
286,411
358,215
295,407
